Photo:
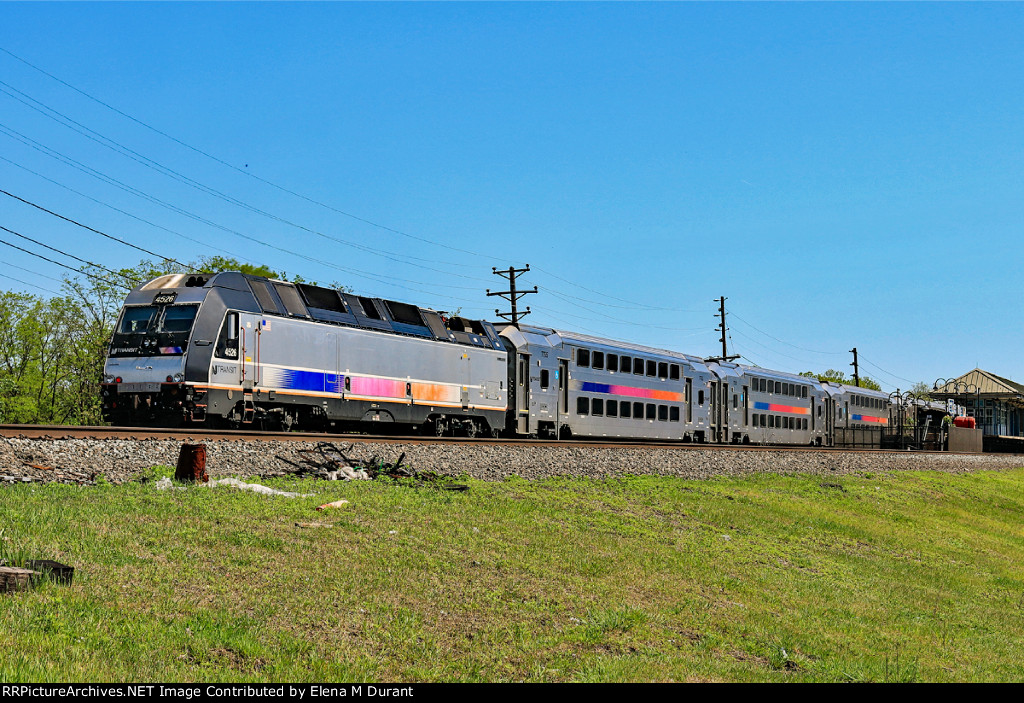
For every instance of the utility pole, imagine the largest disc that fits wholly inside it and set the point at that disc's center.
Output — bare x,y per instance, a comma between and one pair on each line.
512,295
721,326
856,375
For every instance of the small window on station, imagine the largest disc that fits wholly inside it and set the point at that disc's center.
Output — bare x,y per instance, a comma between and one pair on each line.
583,357
663,413
638,411
638,367
545,378
673,413
652,368
662,369
673,372
597,360
613,362
611,408
652,411
597,406
624,410
583,406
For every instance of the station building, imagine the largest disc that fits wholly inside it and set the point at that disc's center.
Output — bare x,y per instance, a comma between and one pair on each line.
995,403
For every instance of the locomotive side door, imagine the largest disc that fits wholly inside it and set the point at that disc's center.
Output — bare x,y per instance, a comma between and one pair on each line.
523,394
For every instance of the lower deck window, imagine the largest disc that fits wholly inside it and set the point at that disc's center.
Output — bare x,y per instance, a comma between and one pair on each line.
583,406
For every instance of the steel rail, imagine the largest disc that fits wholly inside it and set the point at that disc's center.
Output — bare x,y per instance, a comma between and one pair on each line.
204,434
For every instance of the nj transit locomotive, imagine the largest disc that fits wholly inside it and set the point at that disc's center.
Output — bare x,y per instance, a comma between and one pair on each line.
234,350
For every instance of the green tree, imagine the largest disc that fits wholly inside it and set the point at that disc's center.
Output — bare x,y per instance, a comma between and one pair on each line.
838,377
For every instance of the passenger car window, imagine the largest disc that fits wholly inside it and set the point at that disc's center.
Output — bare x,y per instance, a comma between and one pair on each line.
583,357
597,361
583,406
613,362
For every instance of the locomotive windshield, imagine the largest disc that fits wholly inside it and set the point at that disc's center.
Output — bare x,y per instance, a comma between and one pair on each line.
153,328
137,319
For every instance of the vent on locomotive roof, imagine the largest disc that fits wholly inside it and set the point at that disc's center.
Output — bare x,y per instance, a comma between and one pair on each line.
404,313
462,324
262,291
323,298
196,281
292,302
369,309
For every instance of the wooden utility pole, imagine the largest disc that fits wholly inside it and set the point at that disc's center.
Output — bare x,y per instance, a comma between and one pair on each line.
856,374
512,295
721,326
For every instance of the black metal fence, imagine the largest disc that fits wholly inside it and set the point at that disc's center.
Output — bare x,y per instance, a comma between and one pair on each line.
859,437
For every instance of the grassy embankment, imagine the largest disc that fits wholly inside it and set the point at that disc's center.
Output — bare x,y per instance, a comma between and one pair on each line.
891,577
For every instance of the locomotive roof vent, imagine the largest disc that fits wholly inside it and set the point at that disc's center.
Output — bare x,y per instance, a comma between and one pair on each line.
196,281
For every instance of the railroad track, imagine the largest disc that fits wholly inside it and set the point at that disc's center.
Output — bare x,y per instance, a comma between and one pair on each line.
202,434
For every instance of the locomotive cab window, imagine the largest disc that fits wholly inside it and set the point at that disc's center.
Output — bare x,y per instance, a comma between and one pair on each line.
227,342
178,318
137,319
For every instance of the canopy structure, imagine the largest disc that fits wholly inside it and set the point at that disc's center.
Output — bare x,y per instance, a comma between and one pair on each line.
996,403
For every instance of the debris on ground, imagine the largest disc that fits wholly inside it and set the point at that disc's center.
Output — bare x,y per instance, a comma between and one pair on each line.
256,488
15,579
313,524
53,570
336,504
329,462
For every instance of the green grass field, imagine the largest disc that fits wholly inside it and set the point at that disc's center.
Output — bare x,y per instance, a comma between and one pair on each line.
886,577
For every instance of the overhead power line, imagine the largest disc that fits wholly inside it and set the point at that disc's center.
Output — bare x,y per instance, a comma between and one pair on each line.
92,229
70,268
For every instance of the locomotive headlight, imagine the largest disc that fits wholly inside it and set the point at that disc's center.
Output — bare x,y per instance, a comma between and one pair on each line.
179,377
107,378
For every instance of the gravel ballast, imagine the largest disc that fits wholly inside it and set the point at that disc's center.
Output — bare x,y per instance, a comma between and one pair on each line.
75,460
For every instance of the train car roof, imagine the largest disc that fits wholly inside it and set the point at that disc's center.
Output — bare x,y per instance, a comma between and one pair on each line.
543,335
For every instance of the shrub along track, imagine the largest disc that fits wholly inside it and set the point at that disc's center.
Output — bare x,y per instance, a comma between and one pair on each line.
81,454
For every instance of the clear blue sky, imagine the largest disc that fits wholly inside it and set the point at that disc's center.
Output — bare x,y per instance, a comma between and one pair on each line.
846,174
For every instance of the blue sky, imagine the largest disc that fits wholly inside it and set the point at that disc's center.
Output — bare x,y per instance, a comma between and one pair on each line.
845,174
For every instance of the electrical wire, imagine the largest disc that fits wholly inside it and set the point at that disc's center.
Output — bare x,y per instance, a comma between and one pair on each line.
70,268
26,283
131,279
160,168
91,229
246,172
